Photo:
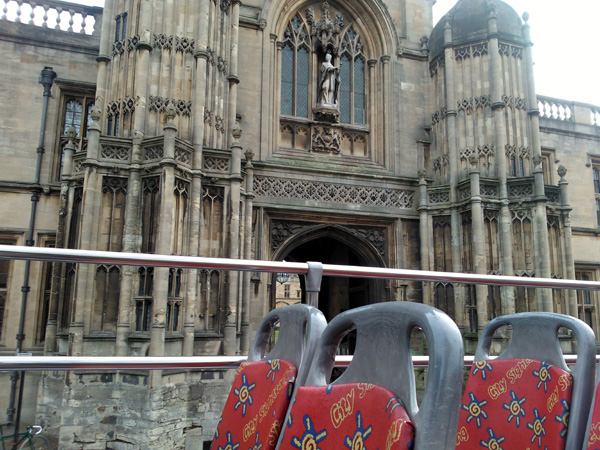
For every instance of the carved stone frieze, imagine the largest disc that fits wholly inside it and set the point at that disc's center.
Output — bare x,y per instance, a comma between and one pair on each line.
326,140
160,104
332,192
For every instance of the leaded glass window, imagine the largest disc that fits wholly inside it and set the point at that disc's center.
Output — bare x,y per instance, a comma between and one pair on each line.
295,69
352,73
73,113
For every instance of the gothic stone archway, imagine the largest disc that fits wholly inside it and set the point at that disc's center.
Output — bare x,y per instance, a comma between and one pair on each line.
334,244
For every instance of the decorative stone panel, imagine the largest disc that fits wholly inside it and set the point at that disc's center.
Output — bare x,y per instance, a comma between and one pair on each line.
326,140
332,192
216,164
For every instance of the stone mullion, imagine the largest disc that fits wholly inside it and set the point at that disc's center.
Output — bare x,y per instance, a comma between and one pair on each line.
450,119
277,100
61,234
386,123
424,232
479,260
132,239
199,104
233,69
372,117
163,244
567,240
245,322
507,293
544,297
229,332
90,204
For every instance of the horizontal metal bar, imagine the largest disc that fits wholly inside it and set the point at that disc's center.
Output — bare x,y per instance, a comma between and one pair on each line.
92,363
141,259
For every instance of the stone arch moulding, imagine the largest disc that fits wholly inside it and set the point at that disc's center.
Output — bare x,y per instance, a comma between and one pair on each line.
368,15
340,233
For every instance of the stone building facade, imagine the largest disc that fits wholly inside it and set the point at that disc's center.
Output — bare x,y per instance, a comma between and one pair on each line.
220,128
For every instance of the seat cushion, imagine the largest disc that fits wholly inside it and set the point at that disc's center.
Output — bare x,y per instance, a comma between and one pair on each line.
353,416
515,404
256,406
594,437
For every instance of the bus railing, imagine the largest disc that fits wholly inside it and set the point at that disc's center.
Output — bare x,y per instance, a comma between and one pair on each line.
92,363
313,271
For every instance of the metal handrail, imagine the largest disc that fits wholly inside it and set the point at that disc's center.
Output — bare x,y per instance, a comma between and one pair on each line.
141,259
90,363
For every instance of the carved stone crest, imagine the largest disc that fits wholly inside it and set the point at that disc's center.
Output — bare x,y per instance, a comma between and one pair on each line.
326,140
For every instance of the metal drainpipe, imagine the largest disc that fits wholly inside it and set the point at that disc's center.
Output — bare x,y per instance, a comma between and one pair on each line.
46,79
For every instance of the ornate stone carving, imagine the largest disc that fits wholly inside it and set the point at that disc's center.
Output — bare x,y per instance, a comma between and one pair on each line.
333,192
118,48
489,190
184,45
208,116
132,43
465,105
562,171
520,190
162,41
117,185
160,104
216,164
183,155
325,32
115,152
219,126
326,140
438,115
282,230
439,197
153,152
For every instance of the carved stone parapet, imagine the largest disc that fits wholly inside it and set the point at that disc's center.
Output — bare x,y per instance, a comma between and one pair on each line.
326,140
324,114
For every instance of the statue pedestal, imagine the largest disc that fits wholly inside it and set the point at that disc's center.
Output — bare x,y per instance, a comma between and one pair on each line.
326,114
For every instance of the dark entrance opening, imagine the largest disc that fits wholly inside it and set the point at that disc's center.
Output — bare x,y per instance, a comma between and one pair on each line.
331,245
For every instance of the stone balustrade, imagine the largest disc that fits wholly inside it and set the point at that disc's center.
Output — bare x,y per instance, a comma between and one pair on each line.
53,14
568,111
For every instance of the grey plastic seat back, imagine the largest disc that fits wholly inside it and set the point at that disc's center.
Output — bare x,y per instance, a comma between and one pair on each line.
383,357
535,336
300,329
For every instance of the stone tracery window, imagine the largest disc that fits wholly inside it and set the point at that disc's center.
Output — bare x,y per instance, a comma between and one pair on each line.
295,68
303,49
352,74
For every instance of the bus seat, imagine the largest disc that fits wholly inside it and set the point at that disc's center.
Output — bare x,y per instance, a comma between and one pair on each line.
265,384
373,403
527,397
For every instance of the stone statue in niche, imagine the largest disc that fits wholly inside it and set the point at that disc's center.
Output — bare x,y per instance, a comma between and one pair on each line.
329,84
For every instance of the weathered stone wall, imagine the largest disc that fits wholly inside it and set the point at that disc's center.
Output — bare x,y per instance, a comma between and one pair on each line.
119,411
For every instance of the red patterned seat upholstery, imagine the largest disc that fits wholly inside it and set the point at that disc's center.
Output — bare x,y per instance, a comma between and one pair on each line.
527,398
264,386
593,441
256,406
515,404
354,416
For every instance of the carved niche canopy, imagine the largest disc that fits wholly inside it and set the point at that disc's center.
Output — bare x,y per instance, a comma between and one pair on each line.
325,32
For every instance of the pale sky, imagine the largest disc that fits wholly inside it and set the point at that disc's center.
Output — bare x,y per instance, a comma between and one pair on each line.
565,36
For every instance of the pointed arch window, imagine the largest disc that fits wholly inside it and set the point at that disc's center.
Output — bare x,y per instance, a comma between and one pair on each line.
352,74
295,68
